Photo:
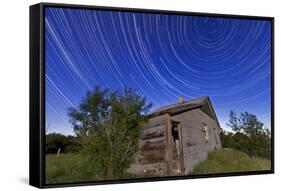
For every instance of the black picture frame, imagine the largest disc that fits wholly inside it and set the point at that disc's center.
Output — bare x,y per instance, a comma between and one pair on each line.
37,95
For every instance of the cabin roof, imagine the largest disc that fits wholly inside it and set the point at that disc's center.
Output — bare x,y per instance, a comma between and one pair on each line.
203,103
179,107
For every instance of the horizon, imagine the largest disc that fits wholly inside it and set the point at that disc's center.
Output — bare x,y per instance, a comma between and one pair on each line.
160,56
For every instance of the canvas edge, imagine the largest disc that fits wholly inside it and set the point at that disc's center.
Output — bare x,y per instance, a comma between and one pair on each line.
34,97
37,88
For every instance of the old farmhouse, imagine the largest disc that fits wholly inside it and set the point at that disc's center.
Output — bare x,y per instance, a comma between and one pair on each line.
177,137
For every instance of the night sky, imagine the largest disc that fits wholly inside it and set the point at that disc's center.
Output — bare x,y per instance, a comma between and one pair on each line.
160,56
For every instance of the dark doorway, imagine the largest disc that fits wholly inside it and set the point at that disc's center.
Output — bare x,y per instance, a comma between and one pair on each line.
176,148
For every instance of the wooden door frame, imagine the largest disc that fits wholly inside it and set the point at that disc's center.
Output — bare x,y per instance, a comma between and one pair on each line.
169,157
181,148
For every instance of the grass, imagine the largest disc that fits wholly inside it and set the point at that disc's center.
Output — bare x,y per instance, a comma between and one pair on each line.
64,168
224,161
67,167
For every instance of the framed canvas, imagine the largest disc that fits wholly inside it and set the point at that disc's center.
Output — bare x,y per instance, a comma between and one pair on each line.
130,95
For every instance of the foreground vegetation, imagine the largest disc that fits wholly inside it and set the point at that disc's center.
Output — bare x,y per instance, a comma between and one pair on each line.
107,126
68,167
231,161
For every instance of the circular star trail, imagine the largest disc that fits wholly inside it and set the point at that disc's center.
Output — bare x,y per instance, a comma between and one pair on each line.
160,56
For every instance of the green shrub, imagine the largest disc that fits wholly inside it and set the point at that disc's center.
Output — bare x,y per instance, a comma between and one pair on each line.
108,125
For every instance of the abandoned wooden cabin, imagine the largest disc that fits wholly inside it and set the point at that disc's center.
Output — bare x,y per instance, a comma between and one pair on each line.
177,137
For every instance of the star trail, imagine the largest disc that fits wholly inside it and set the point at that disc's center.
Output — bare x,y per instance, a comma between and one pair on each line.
160,56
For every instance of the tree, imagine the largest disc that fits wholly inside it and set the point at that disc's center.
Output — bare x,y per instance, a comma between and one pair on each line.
249,135
108,125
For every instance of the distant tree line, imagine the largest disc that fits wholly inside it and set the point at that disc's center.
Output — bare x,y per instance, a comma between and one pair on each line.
248,135
66,144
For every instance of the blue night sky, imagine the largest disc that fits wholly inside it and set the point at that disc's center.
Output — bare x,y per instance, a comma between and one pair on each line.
160,56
